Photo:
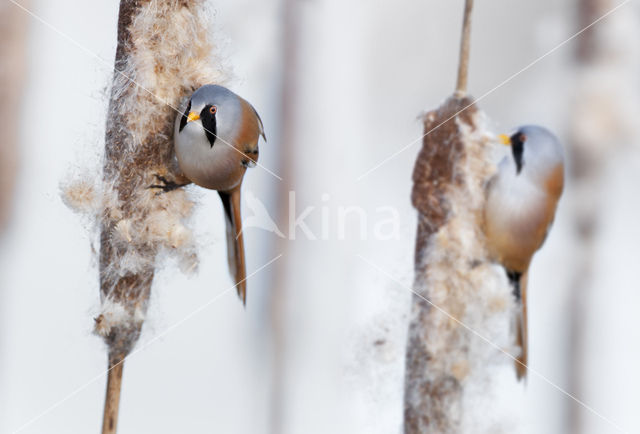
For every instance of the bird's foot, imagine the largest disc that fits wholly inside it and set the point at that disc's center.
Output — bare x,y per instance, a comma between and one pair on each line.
251,158
166,185
248,163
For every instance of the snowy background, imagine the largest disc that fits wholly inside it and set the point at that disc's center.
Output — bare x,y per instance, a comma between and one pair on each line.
364,72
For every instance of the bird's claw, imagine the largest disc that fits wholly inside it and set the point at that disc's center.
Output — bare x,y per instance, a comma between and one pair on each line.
166,185
251,158
248,163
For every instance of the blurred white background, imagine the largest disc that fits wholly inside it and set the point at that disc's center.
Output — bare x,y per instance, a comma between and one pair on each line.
363,72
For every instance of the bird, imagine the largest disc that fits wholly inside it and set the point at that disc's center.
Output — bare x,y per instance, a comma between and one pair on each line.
521,201
215,140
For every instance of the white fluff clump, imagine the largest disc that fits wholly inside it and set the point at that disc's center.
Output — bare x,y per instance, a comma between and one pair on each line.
87,195
164,54
112,314
171,55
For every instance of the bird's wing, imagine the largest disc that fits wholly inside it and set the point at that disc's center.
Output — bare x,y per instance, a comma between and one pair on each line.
260,125
522,329
235,242
247,137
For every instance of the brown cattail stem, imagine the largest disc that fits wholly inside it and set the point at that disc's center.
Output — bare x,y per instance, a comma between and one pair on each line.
456,290
112,399
459,296
465,47
156,67
433,393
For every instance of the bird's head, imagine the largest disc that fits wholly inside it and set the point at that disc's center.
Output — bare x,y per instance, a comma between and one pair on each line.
533,147
214,111
209,111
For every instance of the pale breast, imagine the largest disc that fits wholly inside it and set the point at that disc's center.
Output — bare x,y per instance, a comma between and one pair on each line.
517,217
217,167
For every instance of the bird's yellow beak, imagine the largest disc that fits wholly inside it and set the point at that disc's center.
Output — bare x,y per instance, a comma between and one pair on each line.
193,116
504,139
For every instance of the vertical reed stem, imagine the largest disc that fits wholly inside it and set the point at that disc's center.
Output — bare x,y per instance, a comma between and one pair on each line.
465,47
112,399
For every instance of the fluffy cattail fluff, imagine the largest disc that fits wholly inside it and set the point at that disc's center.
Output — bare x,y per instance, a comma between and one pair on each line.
445,360
163,54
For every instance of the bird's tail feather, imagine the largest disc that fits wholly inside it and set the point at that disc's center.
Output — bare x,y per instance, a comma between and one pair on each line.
235,242
521,327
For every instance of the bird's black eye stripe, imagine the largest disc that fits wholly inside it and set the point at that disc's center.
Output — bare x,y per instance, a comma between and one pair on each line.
517,148
209,123
183,121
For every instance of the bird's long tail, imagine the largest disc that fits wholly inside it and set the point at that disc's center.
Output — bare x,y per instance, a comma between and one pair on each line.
235,242
519,284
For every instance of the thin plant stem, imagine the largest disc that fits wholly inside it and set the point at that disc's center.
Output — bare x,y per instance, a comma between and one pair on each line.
465,49
112,399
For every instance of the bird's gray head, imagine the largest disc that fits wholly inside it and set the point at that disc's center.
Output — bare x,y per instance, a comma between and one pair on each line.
216,111
534,149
